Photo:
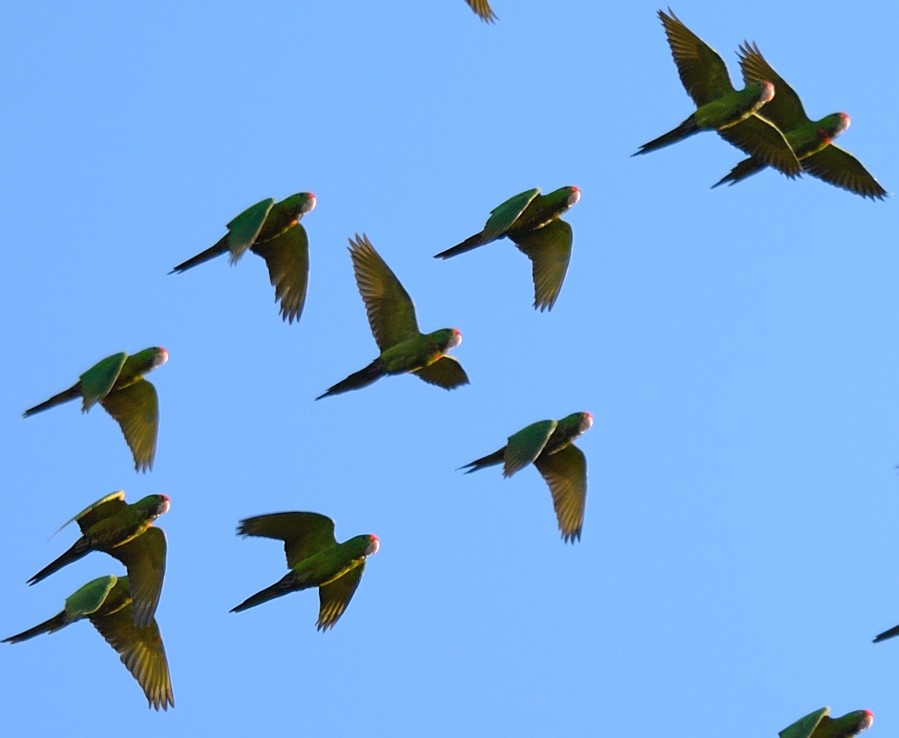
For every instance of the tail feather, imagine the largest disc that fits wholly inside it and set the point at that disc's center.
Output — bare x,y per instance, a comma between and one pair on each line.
687,128
894,631
70,394
48,626
497,457
219,248
472,242
280,588
362,378
73,554
742,170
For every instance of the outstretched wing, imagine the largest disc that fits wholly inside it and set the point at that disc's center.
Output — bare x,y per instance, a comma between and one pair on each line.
144,557
391,313
702,71
446,372
335,596
525,446
244,228
838,167
303,533
287,259
566,474
136,410
785,108
549,249
764,141
97,381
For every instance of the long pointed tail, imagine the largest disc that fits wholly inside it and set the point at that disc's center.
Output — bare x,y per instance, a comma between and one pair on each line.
48,626
687,128
497,457
742,170
362,378
70,394
219,248
894,631
472,242
280,588
73,554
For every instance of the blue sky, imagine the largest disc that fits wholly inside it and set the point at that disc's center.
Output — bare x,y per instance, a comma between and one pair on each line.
735,346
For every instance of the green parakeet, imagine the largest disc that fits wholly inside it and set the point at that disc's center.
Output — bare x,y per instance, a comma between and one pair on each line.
549,444
391,315
719,106
533,223
315,559
273,231
818,724
106,602
483,9
810,139
117,383
124,531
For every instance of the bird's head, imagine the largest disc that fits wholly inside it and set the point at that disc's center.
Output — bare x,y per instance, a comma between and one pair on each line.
832,126
373,544
574,196
866,717
447,338
586,422
767,92
160,357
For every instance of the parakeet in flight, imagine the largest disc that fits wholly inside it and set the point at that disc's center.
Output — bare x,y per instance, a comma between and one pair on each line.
811,140
106,602
315,559
273,231
533,223
117,383
391,315
819,724
720,107
483,9
124,531
549,444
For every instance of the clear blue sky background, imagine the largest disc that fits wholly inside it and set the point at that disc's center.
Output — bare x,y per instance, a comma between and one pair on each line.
737,348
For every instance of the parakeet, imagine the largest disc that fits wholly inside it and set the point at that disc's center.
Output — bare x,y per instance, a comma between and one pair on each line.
811,140
117,383
719,106
483,9
818,724
391,315
533,223
106,602
124,531
315,559
549,444
273,231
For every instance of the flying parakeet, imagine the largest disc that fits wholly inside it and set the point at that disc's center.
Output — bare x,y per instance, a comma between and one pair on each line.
106,602
533,223
117,383
811,139
273,231
391,315
124,531
483,9
315,559
549,444
719,106
818,724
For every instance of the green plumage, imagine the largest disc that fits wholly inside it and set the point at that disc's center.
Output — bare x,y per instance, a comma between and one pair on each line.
720,107
533,223
548,444
315,559
811,140
273,231
124,532
106,602
391,316
117,383
818,724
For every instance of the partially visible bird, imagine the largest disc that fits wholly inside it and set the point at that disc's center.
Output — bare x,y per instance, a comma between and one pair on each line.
273,231
106,602
549,445
391,315
818,724
811,140
483,9
533,223
117,383
123,531
315,559
720,107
